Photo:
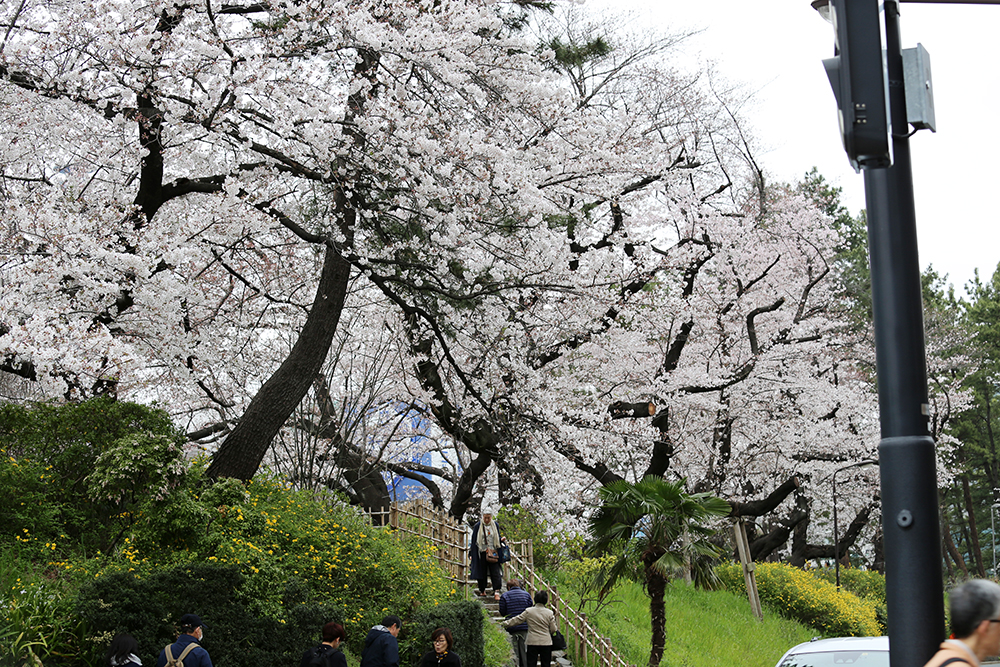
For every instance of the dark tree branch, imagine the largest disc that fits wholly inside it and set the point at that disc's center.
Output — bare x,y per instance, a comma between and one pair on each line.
766,505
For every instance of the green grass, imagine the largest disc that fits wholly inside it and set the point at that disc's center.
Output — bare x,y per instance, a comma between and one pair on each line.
496,649
704,628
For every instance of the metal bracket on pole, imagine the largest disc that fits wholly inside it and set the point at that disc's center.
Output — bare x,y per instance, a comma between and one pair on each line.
743,546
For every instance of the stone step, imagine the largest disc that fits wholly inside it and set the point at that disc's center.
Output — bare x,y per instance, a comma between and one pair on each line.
559,658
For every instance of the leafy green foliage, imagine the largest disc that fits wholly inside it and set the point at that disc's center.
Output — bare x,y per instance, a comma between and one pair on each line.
147,608
260,556
496,647
866,584
797,594
273,535
656,523
62,446
549,550
39,619
575,55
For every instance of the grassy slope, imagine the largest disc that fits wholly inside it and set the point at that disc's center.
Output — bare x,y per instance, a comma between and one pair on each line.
704,629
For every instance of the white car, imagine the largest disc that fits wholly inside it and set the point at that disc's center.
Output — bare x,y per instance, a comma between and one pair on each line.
839,652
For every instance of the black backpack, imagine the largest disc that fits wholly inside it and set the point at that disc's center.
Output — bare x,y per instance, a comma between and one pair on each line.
321,656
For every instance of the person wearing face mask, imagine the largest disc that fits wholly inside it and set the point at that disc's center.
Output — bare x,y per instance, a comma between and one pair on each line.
188,647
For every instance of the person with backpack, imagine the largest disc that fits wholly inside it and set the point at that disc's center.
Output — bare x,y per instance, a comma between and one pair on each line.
187,650
327,653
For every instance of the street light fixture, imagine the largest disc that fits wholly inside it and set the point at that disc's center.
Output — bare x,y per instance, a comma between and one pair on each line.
836,537
908,475
823,7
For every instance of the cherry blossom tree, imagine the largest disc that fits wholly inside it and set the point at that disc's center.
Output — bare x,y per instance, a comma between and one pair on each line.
585,273
185,182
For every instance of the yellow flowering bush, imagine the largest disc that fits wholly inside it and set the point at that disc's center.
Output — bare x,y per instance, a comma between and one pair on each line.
797,594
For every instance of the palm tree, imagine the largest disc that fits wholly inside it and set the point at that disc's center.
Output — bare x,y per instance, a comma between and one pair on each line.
656,524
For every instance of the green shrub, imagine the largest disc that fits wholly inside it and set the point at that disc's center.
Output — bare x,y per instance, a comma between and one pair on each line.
62,446
38,620
549,550
863,583
798,595
278,540
463,618
866,584
148,607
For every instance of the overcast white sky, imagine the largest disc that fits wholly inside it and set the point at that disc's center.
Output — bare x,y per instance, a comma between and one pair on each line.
776,47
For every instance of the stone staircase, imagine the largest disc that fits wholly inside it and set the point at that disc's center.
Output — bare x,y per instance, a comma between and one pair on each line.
559,658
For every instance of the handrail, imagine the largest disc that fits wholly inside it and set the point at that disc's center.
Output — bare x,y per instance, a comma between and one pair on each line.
585,636
452,541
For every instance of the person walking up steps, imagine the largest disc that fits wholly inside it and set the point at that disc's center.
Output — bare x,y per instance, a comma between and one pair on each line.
541,624
512,603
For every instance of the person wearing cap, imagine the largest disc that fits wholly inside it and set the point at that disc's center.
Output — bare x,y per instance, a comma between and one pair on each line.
188,644
486,541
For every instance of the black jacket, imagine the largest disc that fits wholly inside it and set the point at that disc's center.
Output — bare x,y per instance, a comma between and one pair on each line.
381,649
450,659
330,657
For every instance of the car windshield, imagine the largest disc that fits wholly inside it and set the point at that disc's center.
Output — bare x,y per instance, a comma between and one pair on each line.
838,658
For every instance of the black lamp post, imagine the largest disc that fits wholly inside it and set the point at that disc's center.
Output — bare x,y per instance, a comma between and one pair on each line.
836,533
874,133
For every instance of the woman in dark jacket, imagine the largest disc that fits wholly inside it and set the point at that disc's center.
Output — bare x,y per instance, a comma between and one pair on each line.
441,655
327,653
122,652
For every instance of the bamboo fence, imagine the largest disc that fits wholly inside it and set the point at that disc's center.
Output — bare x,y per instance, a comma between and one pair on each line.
452,539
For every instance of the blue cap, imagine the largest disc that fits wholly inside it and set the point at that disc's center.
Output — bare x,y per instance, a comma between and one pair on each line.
191,621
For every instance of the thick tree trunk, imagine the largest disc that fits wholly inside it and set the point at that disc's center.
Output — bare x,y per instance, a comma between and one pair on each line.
763,546
878,561
950,547
243,450
656,586
970,510
802,552
462,496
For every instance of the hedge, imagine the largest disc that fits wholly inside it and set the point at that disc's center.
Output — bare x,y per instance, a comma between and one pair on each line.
797,594
463,618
